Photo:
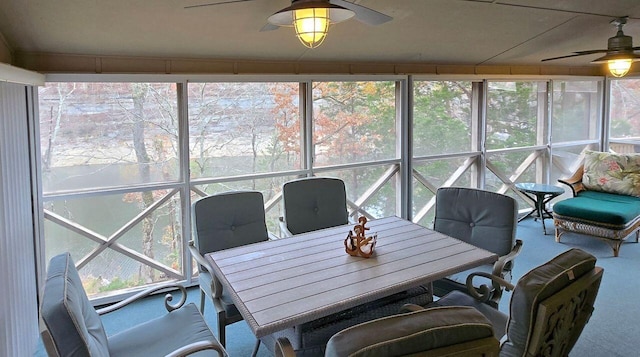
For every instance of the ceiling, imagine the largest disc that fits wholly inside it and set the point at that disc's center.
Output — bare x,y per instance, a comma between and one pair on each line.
459,32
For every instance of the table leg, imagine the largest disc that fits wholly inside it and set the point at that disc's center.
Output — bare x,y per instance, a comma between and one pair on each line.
540,208
535,205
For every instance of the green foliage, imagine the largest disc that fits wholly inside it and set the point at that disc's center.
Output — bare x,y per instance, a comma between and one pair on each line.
442,117
117,284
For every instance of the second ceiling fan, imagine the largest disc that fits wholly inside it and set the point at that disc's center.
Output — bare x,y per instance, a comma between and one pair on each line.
619,55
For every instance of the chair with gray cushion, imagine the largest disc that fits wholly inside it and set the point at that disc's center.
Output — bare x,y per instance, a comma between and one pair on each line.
484,219
549,308
313,203
440,331
70,326
223,221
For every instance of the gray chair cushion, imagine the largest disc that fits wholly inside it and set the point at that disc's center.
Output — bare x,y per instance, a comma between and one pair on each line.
409,333
229,220
74,325
458,298
74,328
537,285
314,203
485,219
162,335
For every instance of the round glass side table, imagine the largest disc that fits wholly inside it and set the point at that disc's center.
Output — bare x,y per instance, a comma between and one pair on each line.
540,195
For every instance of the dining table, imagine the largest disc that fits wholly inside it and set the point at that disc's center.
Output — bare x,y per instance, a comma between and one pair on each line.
286,282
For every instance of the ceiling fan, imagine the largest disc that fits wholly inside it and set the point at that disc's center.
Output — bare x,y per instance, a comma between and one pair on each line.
619,54
311,18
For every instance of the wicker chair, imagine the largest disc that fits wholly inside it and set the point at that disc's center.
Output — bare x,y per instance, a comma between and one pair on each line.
607,216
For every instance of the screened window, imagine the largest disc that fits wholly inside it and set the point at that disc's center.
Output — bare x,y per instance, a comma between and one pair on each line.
104,147
243,128
625,115
353,122
442,117
107,134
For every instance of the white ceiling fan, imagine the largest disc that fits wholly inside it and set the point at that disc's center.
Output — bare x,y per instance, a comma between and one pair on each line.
311,18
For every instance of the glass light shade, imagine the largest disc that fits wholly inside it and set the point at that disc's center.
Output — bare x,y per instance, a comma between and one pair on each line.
311,19
311,25
619,67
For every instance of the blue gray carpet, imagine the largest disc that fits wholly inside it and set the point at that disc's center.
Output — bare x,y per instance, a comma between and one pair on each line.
610,332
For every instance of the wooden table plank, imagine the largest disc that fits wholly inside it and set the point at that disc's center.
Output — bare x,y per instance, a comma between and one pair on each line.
286,282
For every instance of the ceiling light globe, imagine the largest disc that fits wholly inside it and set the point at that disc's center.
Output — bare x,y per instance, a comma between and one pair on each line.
619,67
311,25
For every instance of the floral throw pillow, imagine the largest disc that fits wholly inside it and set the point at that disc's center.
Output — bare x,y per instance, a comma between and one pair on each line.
613,173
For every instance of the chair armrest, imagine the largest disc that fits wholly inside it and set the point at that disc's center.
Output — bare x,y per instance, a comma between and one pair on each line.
492,296
197,347
284,348
498,266
575,181
216,285
483,293
283,228
168,298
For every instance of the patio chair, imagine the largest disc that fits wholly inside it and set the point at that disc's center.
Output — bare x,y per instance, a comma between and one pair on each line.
223,221
313,203
442,331
70,326
485,219
550,305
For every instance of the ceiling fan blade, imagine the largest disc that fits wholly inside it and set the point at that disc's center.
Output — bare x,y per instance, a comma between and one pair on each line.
575,54
216,3
589,52
269,27
364,14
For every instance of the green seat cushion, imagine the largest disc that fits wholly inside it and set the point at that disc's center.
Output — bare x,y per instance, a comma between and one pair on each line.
608,208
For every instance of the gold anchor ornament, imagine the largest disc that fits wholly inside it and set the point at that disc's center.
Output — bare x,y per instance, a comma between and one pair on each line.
359,245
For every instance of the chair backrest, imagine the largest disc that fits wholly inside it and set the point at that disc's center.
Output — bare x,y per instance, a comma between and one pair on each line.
485,219
551,304
228,220
314,203
70,326
439,331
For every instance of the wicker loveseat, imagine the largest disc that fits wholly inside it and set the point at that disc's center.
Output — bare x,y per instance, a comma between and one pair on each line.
606,199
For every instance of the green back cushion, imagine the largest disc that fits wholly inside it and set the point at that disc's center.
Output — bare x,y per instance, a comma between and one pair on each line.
534,287
613,173
74,325
593,207
410,333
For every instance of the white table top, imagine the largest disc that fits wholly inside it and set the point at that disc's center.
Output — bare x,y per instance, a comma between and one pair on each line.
286,282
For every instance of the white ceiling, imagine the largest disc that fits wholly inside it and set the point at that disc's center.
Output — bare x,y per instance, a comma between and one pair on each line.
469,32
